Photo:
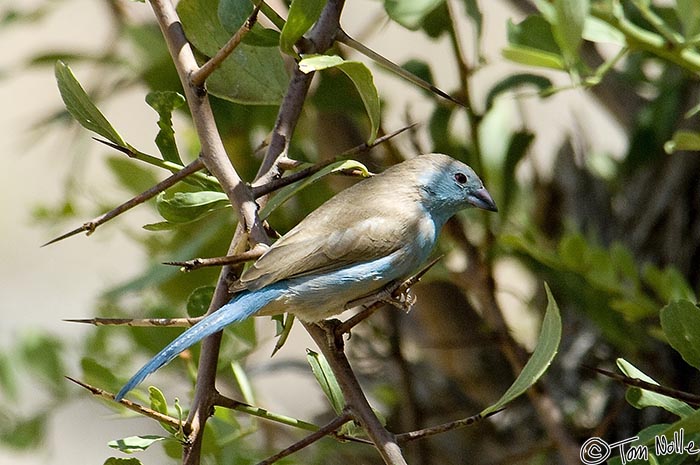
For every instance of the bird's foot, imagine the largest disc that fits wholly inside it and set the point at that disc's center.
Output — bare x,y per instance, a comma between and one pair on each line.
401,298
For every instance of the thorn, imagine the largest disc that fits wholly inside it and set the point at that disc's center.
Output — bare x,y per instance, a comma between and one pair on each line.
85,227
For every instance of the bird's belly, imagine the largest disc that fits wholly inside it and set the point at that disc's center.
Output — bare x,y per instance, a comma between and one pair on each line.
316,297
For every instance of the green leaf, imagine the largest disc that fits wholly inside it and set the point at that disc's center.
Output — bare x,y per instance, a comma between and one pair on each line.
534,32
80,106
42,357
688,12
410,13
359,74
243,382
641,398
568,26
302,15
597,30
160,404
287,192
135,443
516,81
164,103
284,329
199,300
326,379
544,353
532,57
250,75
532,42
680,321
157,400
24,434
234,13
690,425
683,140
98,375
421,69
245,338
134,177
668,284
184,207
8,377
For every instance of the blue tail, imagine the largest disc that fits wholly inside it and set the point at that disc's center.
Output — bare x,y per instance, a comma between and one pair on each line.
238,309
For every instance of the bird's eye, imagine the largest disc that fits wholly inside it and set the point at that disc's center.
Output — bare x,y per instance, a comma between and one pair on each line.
461,178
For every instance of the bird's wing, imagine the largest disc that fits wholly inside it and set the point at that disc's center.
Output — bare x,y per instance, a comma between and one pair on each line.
316,247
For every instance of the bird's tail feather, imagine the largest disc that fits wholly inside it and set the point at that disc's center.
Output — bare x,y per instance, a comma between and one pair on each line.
238,309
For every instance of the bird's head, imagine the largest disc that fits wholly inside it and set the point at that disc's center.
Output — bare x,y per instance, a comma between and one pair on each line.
449,185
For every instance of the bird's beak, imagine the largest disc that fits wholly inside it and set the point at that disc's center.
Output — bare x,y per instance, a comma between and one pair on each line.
482,199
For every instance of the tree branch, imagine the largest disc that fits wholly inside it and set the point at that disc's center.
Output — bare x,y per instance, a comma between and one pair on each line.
139,322
196,263
443,428
332,348
240,196
93,224
213,153
200,75
320,39
138,408
322,432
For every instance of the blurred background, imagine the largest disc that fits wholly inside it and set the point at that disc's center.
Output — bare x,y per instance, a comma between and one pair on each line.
590,202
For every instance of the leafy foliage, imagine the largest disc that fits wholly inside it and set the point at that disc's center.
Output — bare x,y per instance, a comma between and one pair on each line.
619,246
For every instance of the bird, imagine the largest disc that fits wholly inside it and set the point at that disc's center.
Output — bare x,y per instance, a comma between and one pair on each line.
364,238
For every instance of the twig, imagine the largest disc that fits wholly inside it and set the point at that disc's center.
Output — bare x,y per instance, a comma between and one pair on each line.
196,263
213,153
259,191
138,322
273,185
332,349
278,183
364,147
344,38
438,429
320,38
638,38
199,76
692,399
232,404
287,118
132,152
90,226
322,432
238,193
217,162
145,411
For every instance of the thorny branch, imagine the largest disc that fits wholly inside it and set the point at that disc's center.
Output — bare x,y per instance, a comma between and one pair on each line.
321,38
200,75
250,229
322,432
145,411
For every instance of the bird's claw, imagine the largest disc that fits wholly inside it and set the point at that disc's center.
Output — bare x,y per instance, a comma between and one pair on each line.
402,298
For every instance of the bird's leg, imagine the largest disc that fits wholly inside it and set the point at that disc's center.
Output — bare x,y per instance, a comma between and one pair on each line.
401,297
396,293
384,294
